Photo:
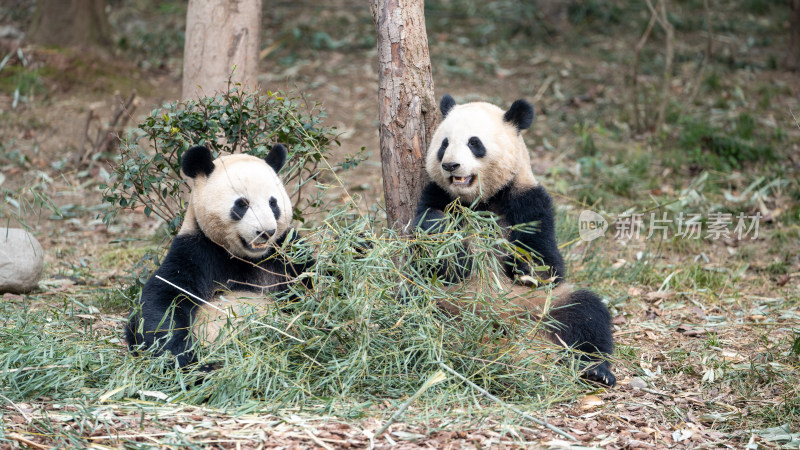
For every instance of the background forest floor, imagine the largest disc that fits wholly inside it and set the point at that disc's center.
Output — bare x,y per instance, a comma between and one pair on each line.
707,329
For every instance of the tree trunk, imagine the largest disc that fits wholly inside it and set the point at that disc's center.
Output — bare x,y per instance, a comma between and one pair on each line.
220,34
70,23
406,104
793,55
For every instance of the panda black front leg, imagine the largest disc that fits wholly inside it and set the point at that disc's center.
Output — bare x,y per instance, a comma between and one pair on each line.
430,218
430,209
449,270
585,325
165,317
163,326
532,205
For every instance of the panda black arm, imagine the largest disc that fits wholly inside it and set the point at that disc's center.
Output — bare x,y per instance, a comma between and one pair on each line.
533,205
430,209
430,212
163,317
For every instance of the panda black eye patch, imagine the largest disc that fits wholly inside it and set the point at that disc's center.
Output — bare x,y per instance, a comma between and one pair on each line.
273,203
440,153
476,146
240,207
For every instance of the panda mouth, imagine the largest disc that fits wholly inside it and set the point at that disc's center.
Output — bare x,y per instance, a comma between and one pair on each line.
254,245
461,181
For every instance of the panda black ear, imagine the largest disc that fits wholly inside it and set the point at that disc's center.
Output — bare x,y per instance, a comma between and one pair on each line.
520,115
197,161
276,157
446,105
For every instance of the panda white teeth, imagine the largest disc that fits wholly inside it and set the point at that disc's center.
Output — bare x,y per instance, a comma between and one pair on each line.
253,244
461,181
260,246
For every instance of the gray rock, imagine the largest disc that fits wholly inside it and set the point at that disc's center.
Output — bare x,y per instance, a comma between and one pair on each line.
637,383
10,32
21,261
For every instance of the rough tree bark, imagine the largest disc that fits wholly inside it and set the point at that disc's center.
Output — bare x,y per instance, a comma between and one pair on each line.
793,55
406,103
220,34
71,23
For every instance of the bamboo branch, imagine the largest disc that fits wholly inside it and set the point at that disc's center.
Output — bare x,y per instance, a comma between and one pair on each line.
437,377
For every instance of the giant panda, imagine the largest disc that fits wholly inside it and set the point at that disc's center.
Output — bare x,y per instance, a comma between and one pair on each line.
227,253
478,157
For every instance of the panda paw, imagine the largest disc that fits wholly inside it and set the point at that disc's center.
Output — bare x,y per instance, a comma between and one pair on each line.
517,269
600,373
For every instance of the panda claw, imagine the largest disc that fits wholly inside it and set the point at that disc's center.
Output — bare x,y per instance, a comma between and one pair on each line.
601,373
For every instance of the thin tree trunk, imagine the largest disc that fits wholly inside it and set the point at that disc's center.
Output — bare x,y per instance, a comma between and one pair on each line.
793,55
406,103
668,57
220,34
71,23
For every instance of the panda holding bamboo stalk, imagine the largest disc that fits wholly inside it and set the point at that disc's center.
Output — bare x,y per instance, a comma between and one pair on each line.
478,157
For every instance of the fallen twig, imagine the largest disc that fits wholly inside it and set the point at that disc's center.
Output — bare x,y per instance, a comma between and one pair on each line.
27,417
27,442
107,135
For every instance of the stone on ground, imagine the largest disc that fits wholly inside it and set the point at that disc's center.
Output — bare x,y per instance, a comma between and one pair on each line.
21,261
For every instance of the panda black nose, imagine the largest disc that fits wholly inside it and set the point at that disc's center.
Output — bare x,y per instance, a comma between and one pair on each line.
266,233
450,166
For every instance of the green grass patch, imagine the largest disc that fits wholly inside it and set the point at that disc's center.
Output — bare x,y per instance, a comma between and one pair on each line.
125,255
722,147
21,80
695,277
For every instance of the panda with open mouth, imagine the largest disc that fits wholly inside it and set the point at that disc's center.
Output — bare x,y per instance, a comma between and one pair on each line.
478,157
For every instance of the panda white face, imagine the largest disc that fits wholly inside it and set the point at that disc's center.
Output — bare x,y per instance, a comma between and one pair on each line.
477,149
241,204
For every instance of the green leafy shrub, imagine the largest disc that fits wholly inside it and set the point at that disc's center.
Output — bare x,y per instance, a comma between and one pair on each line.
148,173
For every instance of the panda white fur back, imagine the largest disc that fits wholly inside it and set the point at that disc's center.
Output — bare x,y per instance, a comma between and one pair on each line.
229,244
477,156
